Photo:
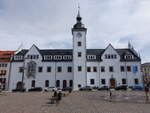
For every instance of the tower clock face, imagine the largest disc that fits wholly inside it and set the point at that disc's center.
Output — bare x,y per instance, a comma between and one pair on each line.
79,35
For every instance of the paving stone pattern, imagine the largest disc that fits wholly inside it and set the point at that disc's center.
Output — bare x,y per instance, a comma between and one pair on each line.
76,102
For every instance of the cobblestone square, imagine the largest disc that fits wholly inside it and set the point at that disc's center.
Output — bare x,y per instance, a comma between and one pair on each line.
76,102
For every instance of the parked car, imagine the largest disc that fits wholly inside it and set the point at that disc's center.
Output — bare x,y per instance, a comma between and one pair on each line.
122,87
103,88
50,89
95,87
19,90
137,88
67,89
36,89
89,88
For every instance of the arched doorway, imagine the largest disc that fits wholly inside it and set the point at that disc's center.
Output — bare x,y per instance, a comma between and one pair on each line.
112,83
70,83
58,83
64,83
33,83
19,85
46,83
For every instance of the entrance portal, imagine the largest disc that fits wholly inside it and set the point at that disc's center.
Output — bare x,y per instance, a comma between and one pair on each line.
19,85
112,83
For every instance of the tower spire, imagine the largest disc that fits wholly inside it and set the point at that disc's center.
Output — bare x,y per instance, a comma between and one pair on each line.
79,24
78,10
78,15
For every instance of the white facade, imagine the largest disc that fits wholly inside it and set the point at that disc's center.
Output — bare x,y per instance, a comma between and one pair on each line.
77,67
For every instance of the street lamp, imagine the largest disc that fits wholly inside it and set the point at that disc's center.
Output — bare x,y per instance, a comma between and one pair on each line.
110,89
22,81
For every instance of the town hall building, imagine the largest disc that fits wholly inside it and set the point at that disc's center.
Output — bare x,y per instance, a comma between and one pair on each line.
76,67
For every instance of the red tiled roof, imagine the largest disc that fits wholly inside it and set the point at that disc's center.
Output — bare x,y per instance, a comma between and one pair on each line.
5,56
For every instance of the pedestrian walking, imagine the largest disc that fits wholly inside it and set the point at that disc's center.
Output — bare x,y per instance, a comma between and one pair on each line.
59,97
55,93
110,93
146,92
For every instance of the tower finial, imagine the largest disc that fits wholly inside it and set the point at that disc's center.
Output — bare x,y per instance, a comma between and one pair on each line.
78,16
78,10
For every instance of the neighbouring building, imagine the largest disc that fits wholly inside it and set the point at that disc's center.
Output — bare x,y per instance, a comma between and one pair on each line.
5,58
146,73
76,67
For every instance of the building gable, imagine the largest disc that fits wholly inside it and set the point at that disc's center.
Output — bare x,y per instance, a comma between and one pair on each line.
33,53
110,53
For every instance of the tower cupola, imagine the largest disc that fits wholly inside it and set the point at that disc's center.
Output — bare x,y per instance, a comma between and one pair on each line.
79,25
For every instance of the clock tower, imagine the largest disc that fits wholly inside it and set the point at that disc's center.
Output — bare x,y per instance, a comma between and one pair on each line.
79,54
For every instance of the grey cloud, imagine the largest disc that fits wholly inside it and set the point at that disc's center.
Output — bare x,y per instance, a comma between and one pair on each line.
44,22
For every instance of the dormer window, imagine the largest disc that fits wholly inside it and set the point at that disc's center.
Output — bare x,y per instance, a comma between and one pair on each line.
129,57
48,57
91,57
18,57
58,57
115,56
110,56
32,56
67,57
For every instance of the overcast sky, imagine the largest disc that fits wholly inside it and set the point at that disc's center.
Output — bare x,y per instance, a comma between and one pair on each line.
48,23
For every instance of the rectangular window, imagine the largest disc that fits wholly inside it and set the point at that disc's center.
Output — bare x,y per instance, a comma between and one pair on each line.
59,69
40,69
5,65
47,83
33,83
94,69
4,72
20,69
135,69
128,68
79,43
112,56
48,69
136,81
111,69
58,83
103,81
92,81
1,71
122,69
79,54
115,56
88,69
102,69
123,81
69,69
106,57
79,68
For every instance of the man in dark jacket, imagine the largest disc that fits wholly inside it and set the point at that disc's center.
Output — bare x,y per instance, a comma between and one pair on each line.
146,92
59,95
55,94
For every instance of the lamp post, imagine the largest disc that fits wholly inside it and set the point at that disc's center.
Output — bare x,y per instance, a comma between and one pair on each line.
23,73
110,89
